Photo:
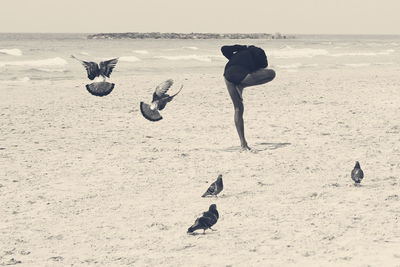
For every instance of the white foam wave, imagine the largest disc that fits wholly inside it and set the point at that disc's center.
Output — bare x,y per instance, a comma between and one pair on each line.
141,52
297,65
357,65
17,80
57,61
384,63
290,66
129,59
289,52
370,54
191,47
11,52
47,70
203,58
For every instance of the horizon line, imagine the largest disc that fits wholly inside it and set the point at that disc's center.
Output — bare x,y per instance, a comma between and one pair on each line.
283,33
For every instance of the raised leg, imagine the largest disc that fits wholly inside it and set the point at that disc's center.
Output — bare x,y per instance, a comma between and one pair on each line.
258,77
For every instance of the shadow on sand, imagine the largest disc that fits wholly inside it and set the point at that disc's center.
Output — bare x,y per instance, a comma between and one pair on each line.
256,147
269,146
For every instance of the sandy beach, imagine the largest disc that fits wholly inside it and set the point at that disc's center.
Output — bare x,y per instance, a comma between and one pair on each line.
87,181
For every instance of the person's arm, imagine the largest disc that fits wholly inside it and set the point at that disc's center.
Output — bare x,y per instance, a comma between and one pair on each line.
229,50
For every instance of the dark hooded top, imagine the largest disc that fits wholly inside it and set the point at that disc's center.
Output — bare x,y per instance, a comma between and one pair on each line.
242,61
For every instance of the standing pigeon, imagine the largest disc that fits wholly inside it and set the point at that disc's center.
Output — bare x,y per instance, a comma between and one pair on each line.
208,219
357,174
215,188
159,101
99,73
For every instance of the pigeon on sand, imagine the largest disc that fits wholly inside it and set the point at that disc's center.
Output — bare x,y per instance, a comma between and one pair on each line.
357,174
208,219
215,188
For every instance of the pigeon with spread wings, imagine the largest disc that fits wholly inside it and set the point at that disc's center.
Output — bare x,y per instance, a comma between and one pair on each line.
159,101
99,73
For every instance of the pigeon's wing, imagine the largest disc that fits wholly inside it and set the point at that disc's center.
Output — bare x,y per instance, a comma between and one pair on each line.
164,96
172,96
106,67
213,218
357,175
91,67
162,88
353,174
211,189
207,221
200,223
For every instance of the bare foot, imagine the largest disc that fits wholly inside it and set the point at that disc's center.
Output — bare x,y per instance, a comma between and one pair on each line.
245,147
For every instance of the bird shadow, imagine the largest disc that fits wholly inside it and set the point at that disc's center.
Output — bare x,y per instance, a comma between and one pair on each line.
203,234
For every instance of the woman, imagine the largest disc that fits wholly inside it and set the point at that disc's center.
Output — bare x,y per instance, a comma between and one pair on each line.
246,67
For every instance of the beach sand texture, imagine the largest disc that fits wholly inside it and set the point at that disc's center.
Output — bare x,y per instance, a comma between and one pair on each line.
87,181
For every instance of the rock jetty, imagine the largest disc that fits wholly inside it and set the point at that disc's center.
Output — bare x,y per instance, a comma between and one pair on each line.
158,35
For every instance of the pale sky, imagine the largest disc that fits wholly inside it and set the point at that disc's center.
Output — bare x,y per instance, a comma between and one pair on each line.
245,16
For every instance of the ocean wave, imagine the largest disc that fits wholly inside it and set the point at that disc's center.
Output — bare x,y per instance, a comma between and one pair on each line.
289,52
297,66
11,52
47,70
203,58
57,61
129,59
384,63
370,54
357,65
17,80
290,66
141,52
191,47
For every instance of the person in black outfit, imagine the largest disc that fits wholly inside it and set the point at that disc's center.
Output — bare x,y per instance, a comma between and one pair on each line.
246,67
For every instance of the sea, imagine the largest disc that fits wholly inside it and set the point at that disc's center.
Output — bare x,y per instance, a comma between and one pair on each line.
28,57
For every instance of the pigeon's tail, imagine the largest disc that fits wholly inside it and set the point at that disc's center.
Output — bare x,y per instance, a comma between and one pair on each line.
194,227
206,194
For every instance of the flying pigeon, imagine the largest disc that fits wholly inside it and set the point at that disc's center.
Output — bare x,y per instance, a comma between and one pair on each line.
215,188
93,69
208,219
99,73
357,174
159,101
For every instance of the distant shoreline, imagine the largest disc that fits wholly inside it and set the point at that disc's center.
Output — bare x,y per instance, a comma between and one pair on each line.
158,35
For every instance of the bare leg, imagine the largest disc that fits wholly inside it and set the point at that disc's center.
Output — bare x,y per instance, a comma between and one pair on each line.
239,109
258,77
